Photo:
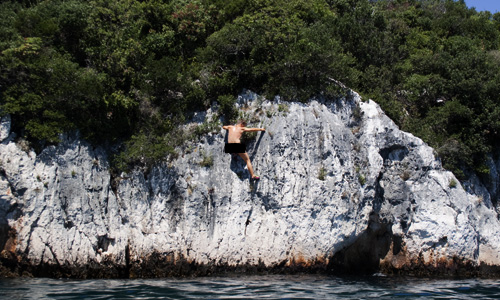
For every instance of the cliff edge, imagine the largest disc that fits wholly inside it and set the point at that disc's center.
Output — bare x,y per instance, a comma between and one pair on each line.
342,190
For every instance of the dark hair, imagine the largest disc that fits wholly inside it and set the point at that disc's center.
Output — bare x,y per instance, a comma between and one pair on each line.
242,122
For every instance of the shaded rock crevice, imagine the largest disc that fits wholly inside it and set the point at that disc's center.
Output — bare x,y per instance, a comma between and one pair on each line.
365,254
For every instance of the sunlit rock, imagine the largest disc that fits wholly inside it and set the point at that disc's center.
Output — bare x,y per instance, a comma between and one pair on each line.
342,189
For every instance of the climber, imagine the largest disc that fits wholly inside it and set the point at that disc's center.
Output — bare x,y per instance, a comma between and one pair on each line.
234,145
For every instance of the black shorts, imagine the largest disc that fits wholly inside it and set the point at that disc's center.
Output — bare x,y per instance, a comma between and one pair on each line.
235,148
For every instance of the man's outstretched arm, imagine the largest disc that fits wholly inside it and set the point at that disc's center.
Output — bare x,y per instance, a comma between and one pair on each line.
254,129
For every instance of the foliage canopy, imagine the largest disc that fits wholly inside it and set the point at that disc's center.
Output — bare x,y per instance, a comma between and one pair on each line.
131,72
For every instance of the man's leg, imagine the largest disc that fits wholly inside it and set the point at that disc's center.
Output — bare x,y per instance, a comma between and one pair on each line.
246,158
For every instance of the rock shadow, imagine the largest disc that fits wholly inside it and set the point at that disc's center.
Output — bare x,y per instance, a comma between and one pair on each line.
8,235
256,146
365,254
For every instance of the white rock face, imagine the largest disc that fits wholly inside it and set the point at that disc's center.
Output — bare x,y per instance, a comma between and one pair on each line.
4,127
342,188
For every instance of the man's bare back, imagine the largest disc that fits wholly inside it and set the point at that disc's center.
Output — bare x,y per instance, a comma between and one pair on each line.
236,131
234,137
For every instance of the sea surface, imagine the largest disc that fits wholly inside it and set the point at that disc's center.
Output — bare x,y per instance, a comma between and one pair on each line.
252,287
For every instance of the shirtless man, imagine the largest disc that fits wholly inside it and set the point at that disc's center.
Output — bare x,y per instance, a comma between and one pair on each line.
234,144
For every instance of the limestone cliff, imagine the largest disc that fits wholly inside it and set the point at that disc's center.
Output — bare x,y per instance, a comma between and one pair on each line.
342,190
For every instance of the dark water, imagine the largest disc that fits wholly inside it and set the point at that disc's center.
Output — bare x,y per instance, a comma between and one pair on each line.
252,287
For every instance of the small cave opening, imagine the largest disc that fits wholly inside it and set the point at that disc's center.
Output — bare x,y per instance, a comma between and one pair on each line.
364,255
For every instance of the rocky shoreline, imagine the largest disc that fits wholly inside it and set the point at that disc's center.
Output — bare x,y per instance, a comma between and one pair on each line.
157,266
343,191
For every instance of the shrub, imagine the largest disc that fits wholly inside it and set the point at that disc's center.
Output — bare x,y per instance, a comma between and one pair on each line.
322,173
453,183
227,108
361,179
207,160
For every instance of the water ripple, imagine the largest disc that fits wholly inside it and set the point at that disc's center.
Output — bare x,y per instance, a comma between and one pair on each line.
252,287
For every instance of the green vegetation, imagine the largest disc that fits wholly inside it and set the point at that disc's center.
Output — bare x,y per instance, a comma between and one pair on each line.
207,160
453,183
130,72
361,176
361,179
322,173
